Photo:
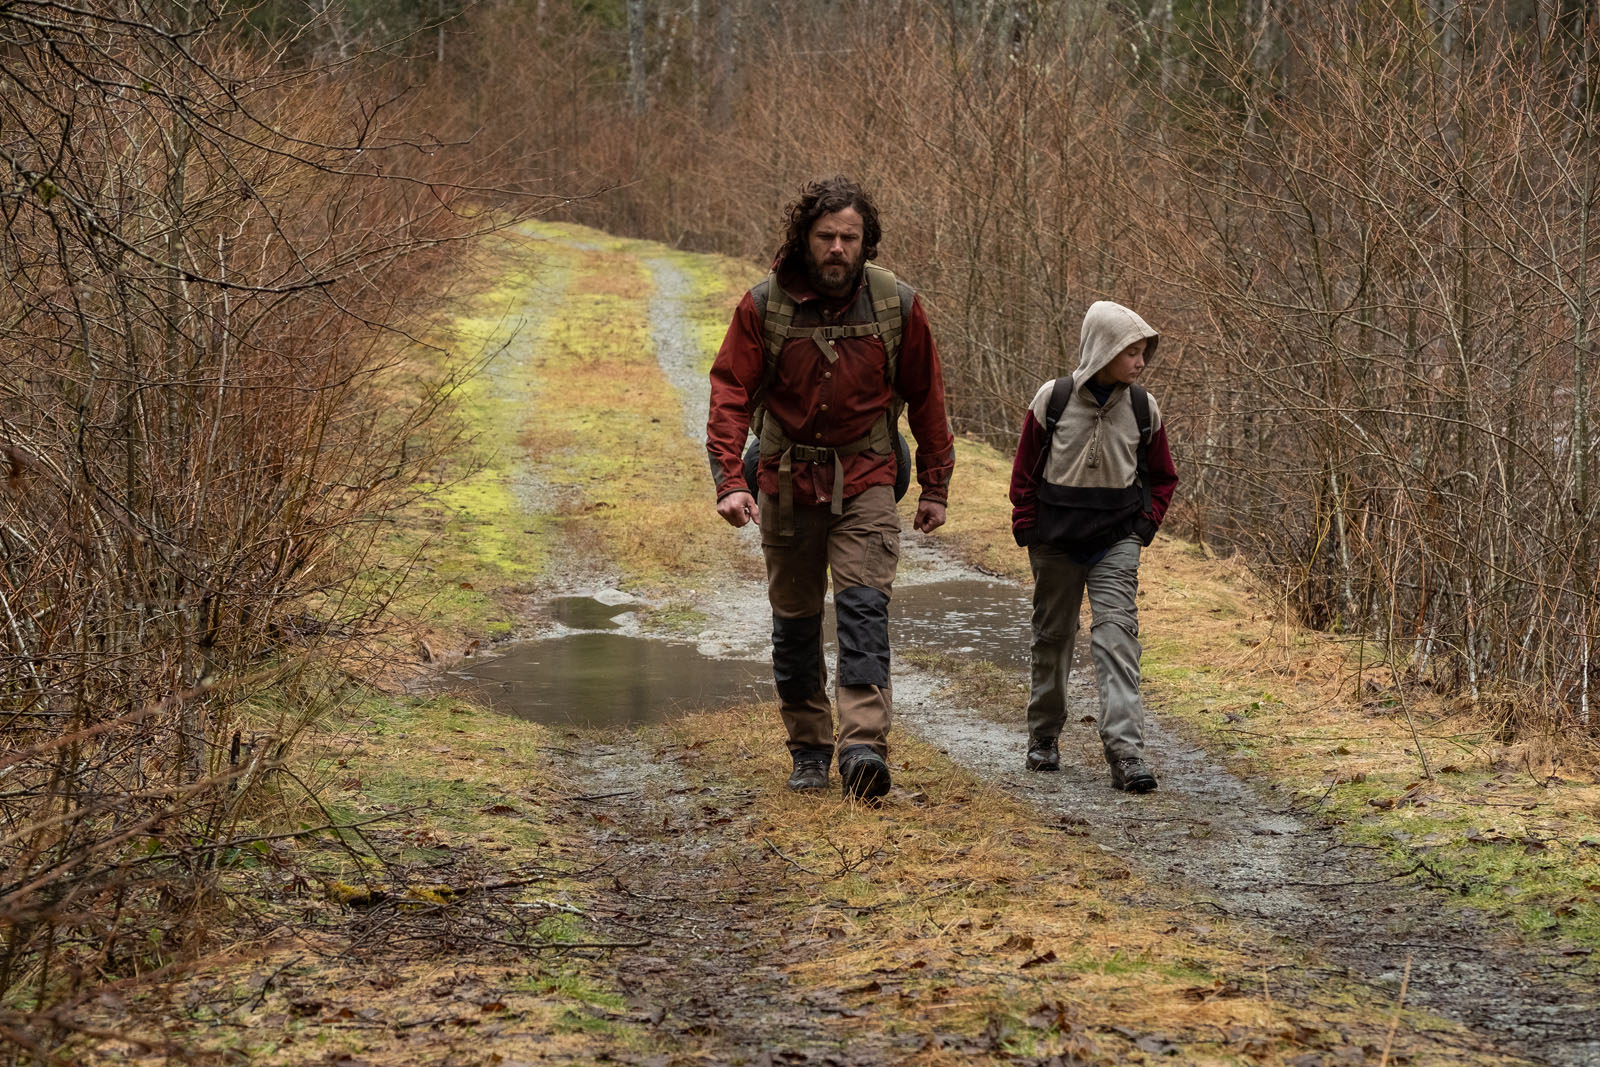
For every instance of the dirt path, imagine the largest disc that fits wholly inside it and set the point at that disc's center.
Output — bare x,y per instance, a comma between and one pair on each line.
688,874
714,925
1245,857
1241,854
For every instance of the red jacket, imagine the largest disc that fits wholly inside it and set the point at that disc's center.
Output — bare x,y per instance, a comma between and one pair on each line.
827,404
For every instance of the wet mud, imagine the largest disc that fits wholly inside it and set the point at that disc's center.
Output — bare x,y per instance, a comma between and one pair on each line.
684,871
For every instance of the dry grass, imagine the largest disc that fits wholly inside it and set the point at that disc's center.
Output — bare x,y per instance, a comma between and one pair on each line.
953,911
317,968
609,426
1516,825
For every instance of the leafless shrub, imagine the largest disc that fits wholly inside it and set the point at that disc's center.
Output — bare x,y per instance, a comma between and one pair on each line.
1391,237
201,298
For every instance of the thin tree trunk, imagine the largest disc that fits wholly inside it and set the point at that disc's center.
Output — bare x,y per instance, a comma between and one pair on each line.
637,98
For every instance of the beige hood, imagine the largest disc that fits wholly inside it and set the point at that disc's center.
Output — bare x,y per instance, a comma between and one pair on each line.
1108,328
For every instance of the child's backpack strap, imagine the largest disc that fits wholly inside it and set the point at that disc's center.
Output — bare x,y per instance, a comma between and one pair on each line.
1060,393
1140,398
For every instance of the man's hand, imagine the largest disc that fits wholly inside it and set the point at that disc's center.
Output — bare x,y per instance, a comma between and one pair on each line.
740,508
930,516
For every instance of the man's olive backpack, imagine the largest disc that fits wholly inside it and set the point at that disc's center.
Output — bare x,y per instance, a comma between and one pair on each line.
890,298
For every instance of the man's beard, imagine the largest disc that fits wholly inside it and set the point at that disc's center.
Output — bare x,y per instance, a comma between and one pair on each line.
833,279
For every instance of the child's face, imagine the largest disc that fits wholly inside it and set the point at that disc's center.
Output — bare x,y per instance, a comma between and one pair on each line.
1125,366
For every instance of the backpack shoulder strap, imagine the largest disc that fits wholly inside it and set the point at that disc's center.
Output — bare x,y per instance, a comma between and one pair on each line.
1140,398
1060,393
890,298
776,311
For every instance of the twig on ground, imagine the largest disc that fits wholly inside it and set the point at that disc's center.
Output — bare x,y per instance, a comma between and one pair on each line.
562,945
1374,881
776,851
266,984
1394,1023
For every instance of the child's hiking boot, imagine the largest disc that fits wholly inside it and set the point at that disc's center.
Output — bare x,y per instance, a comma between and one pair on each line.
810,770
1131,775
1043,754
863,773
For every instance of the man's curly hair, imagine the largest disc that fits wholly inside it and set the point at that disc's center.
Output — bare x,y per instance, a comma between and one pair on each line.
820,198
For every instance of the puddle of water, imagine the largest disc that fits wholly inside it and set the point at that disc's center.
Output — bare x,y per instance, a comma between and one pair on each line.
608,680
599,678
585,612
986,620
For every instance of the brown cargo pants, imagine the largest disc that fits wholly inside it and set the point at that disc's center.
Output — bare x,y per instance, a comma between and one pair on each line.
861,548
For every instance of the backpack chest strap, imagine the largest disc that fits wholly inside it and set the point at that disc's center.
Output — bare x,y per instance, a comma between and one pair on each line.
825,336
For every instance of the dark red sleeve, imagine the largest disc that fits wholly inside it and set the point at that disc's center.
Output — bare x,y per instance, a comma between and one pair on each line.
1163,475
1025,479
735,376
921,383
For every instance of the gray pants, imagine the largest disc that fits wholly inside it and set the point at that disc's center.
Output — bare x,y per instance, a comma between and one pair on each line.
1113,585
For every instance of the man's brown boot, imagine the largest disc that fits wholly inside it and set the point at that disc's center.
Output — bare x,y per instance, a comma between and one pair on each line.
863,772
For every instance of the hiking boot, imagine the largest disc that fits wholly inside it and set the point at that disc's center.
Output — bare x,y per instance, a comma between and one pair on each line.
1132,776
863,773
1043,755
810,771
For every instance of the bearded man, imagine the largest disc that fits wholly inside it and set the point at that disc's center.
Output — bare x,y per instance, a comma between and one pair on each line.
819,360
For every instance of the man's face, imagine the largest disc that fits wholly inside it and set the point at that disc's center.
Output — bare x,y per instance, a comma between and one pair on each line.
835,252
1125,366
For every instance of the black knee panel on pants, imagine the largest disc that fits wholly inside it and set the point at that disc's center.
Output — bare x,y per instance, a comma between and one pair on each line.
863,635
797,657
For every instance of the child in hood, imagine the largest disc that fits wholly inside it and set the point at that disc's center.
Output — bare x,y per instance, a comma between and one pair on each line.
1087,496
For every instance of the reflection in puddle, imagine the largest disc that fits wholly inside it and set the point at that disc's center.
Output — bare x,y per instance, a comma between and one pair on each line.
585,612
609,679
